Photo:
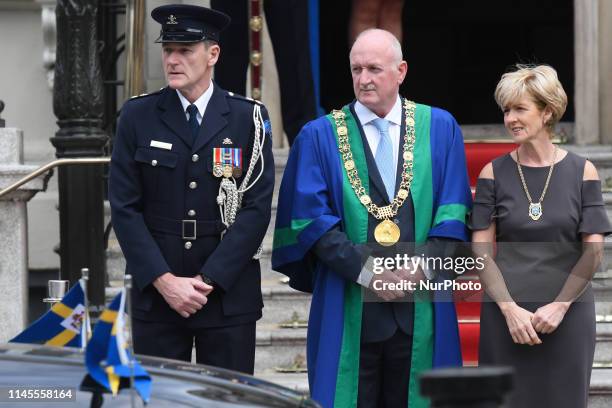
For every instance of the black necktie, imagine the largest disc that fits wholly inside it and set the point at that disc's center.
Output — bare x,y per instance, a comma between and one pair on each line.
192,110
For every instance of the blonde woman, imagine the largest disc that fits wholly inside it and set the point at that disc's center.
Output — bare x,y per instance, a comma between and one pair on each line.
543,207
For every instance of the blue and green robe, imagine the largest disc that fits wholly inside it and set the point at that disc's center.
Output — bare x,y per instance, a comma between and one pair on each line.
315,195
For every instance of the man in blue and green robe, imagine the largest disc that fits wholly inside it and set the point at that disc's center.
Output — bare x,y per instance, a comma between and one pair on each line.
369,354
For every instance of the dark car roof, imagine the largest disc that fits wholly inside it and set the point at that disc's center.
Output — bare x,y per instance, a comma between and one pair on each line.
175,384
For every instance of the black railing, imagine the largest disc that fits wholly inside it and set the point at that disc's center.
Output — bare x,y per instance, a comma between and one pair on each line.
2,122
112,46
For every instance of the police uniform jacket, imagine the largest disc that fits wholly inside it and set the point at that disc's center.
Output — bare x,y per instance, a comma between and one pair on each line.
163,197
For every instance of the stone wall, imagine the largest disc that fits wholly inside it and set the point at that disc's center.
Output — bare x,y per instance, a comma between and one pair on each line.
13,233
29,106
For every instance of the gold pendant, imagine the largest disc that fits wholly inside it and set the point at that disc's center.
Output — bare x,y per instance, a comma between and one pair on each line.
535,211
387,233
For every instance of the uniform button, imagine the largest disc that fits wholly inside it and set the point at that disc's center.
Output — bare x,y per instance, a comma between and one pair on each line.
195,158
188,245
153,163
193,185
191,213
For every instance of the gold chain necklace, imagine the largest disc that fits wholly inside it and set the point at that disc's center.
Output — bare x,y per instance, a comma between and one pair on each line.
535,209
386,232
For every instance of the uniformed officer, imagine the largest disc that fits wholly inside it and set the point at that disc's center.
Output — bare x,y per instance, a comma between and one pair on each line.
191,182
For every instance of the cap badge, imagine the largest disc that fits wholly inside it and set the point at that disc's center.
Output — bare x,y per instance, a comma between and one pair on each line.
171,19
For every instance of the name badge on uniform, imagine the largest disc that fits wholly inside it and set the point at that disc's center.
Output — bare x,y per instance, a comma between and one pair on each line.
161,145
227,162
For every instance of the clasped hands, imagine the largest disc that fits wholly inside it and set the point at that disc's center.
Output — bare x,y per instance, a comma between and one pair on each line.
383,284
524,325
185,295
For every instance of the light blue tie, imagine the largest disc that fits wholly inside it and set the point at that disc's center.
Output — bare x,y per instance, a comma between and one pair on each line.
384,156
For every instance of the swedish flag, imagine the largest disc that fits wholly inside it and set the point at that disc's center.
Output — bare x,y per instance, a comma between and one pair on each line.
63,325
107,358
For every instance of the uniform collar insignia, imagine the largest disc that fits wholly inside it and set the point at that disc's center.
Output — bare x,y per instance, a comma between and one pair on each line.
227,141
171,19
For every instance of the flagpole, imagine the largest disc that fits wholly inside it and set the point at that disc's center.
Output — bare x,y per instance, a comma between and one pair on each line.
86,322
128,298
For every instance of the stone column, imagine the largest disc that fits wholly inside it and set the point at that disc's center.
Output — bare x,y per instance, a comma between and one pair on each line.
586,53
605,71
13,233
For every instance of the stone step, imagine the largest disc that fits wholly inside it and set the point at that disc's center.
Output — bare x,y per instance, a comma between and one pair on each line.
602,290
279,348
267,274
607,197
265,262
606,264
282,303
600,393
603,345
603,310
600,156
115,261
111,291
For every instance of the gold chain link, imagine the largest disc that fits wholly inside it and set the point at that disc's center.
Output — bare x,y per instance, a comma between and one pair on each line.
388,211
550,171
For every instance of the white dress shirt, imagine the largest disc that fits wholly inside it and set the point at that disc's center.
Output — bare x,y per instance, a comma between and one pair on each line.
366,118
201,103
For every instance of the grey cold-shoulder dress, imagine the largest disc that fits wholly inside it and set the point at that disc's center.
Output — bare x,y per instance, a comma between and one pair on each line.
535,258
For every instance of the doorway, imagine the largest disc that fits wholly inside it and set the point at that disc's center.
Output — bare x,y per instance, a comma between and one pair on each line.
457,51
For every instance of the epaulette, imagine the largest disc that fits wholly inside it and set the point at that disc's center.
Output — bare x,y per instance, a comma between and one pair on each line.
146,94
244,98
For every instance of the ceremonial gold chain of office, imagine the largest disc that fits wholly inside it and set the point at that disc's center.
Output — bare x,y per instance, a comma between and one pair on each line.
388,211
535,209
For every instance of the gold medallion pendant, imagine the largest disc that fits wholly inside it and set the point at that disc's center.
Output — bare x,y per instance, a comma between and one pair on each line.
535,211
387,233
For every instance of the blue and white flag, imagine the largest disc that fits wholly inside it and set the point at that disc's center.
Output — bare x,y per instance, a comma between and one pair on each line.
64,325
107,356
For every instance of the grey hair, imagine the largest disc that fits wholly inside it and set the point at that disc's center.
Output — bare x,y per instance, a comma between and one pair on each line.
209,43
396,47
